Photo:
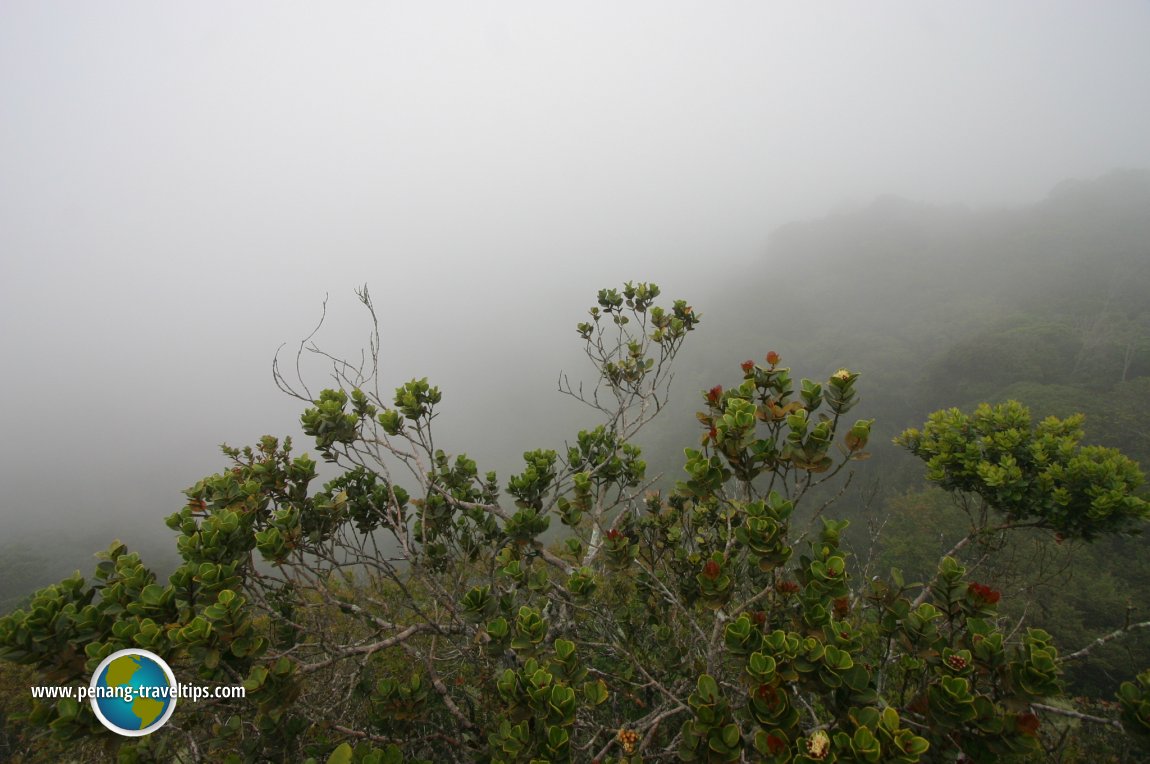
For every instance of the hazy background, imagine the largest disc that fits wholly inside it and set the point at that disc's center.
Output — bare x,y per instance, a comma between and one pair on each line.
181,184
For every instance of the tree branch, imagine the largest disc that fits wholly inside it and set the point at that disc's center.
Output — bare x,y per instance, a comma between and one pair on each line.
1102,640
1076,715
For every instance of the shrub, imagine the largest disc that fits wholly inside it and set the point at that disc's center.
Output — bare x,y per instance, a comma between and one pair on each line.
414,608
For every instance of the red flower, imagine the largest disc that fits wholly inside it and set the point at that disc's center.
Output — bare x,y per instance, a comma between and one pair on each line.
787,587
772,358
747,366
983,594
842,606
759,617
614,535
714,394
711,570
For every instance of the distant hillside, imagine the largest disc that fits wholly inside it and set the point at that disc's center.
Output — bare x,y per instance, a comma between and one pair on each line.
940,306
1048,303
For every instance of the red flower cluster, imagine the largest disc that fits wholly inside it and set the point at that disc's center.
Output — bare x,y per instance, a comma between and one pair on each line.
747,366
714,394
711,570
787,587
983,594
614,535
772,358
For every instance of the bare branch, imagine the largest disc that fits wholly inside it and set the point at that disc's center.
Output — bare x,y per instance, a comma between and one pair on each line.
1103,640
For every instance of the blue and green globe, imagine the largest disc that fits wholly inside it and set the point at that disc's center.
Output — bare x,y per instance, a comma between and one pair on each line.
137,692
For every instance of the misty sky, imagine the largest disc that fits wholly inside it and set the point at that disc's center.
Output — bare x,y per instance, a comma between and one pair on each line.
181,183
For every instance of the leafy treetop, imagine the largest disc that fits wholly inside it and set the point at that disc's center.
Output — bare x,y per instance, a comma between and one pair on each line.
1034,475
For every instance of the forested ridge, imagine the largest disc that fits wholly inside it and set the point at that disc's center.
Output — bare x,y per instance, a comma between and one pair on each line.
899,309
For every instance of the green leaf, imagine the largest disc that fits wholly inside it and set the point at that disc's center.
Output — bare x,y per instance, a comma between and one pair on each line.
341,755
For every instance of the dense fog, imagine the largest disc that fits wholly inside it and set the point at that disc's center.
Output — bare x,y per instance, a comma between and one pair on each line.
182,184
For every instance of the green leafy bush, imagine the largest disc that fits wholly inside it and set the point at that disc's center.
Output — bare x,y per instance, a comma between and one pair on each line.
371,622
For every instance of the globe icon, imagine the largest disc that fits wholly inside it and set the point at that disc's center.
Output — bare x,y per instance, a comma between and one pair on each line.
133,692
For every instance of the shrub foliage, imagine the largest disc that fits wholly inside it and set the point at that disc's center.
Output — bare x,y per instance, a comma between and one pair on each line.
415,608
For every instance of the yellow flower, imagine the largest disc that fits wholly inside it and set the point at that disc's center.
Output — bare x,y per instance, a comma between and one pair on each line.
818,745
628,739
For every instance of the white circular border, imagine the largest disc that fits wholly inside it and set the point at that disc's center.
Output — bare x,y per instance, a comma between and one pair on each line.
171,700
